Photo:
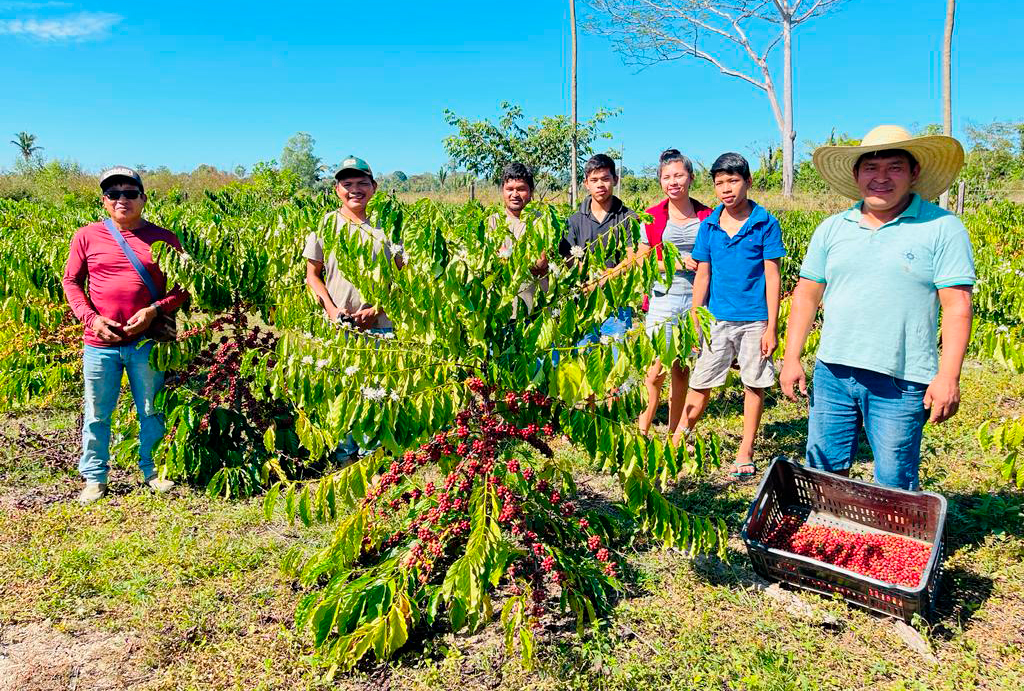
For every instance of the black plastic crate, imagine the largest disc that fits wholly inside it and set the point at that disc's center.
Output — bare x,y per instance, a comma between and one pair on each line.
859,507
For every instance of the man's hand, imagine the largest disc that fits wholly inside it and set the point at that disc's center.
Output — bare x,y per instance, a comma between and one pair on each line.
791,377
540,269
769,342
942,398
140,321
107,330
365,318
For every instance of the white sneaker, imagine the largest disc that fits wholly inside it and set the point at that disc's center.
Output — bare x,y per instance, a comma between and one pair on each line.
157,485
93,492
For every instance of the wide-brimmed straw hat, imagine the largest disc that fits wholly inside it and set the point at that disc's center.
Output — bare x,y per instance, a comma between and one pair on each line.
940,158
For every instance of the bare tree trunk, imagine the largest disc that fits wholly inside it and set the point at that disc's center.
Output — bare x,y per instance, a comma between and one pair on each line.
788,133
572,164
947,84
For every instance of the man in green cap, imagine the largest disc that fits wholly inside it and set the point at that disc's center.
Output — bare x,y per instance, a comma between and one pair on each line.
355,186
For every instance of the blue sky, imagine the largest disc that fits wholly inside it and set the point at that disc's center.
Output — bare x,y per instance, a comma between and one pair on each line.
186,83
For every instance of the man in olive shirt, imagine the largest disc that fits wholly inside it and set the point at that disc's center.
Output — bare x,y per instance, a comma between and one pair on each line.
355,186
516,192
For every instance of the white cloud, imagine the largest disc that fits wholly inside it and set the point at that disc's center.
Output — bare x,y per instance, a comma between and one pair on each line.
72,27
18,6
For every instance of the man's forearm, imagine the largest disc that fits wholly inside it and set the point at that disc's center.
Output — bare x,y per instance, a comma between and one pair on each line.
700,284
772,283
320,292
956,335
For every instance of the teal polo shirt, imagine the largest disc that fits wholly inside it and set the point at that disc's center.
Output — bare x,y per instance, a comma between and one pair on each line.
737,289
881,299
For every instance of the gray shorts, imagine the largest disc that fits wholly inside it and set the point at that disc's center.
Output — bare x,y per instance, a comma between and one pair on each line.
733,340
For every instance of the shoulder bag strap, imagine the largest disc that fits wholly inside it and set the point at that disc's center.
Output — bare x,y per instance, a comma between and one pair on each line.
133,259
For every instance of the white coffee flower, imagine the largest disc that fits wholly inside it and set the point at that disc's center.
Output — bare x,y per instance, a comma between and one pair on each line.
186,257
1019,272
322,362
351,369
605,340
1003,328
577,252
555,270
388,334
307,360
373,394
556,312
505,252
394,395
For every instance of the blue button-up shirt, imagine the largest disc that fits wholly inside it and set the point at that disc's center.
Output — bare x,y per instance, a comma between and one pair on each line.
737,291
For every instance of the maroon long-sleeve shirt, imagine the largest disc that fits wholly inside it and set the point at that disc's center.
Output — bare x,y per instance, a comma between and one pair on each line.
115,289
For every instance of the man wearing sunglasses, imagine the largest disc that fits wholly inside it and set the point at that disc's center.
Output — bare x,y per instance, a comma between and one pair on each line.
118,310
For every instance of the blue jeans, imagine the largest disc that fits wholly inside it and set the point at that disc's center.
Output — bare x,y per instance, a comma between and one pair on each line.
101,369
614,327
891,410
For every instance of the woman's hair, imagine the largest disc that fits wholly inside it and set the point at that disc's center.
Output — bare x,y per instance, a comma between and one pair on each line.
671,156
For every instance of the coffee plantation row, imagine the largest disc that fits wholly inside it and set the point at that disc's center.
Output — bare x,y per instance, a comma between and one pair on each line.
463,504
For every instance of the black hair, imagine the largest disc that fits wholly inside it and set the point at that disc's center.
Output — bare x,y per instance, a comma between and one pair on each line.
517,171
599,162
887,153
731,164
671,156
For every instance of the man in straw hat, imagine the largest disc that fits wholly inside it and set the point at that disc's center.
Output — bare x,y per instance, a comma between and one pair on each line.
882,269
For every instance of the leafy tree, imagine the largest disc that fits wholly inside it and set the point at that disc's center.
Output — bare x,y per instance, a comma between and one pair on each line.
298,157
768,175
484,147
399,176
996,157
26,145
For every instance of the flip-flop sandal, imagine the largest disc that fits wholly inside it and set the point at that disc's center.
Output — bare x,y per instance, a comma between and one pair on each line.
744,474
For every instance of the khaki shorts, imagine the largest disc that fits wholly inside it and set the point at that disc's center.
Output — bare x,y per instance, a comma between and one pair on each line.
733,340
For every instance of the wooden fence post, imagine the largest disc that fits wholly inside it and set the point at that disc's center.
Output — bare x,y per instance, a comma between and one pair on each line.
472,190
961,191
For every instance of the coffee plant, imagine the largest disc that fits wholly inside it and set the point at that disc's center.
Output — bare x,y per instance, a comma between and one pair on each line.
463,499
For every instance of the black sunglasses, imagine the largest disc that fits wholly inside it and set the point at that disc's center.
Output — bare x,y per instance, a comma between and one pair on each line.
114,195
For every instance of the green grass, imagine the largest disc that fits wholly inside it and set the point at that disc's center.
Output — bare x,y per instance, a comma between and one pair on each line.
196,581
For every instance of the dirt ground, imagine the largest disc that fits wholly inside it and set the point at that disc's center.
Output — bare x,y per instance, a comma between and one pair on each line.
38,657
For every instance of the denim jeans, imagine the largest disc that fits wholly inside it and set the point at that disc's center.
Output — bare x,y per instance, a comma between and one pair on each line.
891,410
614,327
101,369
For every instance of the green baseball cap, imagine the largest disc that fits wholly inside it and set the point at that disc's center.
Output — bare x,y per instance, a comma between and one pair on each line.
354,163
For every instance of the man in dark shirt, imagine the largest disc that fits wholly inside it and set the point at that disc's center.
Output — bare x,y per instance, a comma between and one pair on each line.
602,216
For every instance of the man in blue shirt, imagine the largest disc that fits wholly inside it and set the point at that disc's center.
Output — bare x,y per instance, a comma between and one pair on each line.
738,248
882,269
